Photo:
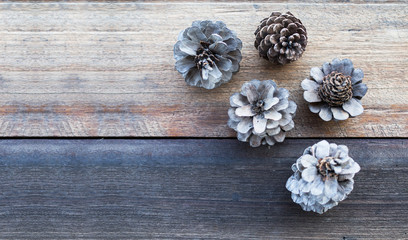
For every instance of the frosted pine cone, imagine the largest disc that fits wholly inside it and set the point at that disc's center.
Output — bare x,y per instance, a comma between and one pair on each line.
335,90
281,38
261,113
207,54
322,177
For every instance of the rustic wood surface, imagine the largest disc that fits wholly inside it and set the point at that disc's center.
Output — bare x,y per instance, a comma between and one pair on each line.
107,69
96,69
190,189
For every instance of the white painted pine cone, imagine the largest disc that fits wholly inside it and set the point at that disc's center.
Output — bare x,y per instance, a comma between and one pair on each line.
207,54
261,113
323,176
322,90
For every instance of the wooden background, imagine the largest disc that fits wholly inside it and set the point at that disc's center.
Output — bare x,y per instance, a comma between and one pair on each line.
73,73
107,69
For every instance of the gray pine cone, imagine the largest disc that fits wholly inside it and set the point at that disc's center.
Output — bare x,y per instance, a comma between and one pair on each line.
322,177
207,54
334,91
261,113
281,38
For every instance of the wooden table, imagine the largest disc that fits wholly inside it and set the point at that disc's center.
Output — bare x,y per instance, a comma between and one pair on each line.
75,76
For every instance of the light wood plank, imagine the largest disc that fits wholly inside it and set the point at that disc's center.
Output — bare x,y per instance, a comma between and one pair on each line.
103,69
190,189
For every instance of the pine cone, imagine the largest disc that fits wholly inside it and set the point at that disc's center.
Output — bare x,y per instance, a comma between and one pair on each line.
335,90
261,113
207,54
322,177
281,38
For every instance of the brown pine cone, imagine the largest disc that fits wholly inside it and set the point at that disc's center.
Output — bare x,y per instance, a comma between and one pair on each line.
281,38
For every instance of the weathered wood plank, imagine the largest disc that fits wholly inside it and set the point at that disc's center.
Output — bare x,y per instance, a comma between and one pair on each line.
190,189
103,69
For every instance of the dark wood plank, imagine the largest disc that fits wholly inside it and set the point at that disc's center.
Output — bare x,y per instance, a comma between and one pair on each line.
190,189
107,69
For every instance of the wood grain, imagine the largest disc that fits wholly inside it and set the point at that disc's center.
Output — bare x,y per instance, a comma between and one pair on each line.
107,69
190,189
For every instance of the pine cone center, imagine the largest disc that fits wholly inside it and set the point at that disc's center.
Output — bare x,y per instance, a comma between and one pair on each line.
204,57
336,89
258,106
324,167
